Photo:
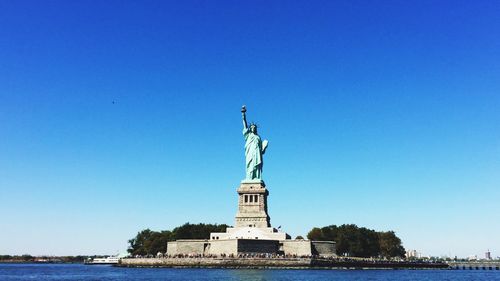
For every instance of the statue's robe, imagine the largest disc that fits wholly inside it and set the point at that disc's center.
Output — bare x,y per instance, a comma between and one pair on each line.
253,155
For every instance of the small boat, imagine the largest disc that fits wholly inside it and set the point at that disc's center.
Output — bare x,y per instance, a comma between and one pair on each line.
106,260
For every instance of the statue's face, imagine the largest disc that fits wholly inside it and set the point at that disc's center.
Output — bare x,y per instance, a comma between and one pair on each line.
253,129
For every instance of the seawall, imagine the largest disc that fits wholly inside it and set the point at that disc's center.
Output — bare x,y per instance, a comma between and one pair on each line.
290,263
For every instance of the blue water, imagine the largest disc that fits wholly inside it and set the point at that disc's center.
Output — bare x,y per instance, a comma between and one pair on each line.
96,272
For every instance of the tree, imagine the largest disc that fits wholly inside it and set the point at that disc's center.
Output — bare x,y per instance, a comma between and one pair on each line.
141,243
148,242
159,242
26,257
352,240
299,238
390,245
315,234
197,231
369,243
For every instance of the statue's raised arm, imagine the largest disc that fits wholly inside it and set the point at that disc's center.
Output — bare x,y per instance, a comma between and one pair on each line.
254,149
243,110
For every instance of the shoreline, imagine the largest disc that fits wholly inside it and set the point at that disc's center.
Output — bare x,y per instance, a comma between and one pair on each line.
273,263
40,262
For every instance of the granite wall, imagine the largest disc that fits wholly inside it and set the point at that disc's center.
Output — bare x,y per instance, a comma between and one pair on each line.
215,262
258,246
193,247
218,247
323,248
297,247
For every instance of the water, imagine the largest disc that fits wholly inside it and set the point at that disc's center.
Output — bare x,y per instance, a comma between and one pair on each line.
108,273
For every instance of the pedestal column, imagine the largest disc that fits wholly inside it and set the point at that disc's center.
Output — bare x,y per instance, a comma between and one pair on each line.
252,205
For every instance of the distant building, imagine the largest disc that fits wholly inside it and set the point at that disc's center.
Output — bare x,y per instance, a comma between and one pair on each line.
472,257
412,254
487,255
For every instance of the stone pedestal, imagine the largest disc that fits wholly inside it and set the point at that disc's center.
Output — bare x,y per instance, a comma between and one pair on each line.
252,205
252,232
252,219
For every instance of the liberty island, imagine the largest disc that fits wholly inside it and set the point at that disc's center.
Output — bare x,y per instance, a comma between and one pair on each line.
252,233
253,242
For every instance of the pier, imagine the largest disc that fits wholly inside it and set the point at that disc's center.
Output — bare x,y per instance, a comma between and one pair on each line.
475,265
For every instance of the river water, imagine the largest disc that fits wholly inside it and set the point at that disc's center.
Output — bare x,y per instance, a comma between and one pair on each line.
103,272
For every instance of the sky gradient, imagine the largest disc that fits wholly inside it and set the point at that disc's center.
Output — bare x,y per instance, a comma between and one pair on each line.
117,116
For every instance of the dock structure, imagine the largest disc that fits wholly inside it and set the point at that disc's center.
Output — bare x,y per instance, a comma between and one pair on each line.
475,265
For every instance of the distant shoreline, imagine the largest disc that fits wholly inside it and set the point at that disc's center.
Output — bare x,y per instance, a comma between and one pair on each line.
40,262
42,259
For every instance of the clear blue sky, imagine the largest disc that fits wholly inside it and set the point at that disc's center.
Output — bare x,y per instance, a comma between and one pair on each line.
385,114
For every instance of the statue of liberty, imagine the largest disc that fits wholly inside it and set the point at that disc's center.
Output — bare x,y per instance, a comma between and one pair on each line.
254,149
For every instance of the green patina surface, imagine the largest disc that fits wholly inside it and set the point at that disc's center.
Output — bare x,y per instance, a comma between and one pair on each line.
254,150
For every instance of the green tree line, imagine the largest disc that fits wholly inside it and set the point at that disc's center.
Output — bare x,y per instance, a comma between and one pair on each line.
148,242
350,239
29,258
355,241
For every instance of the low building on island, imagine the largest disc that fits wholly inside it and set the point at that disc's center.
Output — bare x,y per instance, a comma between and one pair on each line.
252,234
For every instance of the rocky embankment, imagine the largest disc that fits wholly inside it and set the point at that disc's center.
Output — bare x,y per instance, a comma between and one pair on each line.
298,263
